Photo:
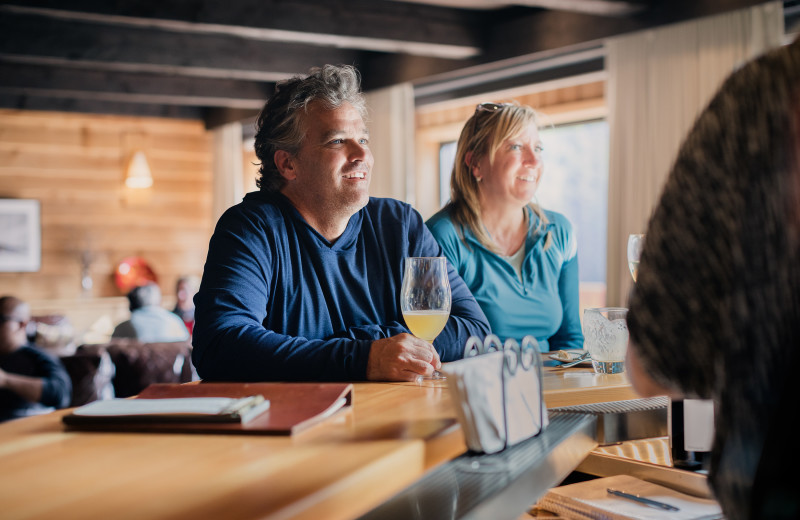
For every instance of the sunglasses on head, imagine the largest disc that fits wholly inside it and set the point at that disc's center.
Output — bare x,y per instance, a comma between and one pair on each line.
491,107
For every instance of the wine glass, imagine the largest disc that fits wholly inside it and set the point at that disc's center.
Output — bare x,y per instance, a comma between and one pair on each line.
425,298
635,244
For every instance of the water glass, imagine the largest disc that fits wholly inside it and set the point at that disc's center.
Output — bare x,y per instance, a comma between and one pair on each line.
605,333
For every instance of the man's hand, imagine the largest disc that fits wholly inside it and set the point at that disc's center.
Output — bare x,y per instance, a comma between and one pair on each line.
401,358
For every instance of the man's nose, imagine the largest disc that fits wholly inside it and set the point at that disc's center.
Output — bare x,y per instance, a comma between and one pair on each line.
358,151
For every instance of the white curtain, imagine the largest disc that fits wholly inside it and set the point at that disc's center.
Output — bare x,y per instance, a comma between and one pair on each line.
391,126
659,81
228,183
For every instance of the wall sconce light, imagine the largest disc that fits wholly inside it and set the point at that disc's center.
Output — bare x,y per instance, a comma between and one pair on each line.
138,175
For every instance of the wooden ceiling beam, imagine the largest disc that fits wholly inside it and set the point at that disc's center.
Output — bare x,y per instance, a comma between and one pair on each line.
522,31
46,41
95,106
357,24
219,59
34,80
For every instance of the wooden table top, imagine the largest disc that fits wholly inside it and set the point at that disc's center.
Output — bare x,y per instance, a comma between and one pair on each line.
339,469
580,385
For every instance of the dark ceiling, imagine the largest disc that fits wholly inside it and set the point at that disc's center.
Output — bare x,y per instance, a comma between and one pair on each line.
218,60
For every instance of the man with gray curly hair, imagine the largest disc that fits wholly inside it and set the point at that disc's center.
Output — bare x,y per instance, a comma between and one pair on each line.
302,280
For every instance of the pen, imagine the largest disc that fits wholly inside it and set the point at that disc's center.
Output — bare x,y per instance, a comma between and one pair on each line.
642,500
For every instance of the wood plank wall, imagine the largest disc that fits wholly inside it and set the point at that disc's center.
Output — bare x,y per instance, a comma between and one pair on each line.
74,164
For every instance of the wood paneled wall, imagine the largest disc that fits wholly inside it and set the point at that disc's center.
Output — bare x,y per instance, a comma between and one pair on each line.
74,164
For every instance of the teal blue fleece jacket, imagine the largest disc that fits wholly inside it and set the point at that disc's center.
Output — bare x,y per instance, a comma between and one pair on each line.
544,303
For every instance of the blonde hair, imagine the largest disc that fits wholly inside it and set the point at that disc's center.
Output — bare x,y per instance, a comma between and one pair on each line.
483,134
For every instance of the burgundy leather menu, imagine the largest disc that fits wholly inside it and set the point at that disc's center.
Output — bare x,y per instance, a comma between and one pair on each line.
294,407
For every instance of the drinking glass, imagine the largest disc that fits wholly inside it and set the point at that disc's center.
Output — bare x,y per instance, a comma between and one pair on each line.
425,298
605,333
635,244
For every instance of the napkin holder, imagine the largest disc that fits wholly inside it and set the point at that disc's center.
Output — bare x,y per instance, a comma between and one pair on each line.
497,391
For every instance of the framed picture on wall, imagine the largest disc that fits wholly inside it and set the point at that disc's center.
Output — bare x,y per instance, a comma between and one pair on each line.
20,235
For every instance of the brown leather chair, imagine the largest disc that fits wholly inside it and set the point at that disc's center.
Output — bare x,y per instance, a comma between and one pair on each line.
139,365
91,371
136,364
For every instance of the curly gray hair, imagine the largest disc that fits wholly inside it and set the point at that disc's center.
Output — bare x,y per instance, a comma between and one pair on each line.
279,126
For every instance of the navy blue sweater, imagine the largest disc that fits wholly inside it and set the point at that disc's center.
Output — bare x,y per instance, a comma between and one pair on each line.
279,302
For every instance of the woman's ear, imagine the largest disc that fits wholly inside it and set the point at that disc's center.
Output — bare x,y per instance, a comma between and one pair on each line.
284,161
468,159
473,168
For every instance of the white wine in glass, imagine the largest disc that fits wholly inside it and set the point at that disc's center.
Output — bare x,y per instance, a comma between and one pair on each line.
425,297
426,324
635,244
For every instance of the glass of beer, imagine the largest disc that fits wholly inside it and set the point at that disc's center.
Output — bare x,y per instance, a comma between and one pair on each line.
425,297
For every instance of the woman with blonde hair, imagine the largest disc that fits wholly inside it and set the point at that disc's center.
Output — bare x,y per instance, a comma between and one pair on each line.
519,260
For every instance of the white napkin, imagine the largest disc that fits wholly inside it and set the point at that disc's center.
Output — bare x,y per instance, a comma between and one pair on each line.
477,387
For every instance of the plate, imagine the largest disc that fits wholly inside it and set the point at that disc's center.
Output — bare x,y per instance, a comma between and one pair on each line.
132,272
566,356
563,357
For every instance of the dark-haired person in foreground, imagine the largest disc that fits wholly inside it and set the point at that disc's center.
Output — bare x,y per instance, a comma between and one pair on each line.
715,312
31,381
303,277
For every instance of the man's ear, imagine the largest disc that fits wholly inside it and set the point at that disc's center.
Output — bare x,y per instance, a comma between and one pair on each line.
284,161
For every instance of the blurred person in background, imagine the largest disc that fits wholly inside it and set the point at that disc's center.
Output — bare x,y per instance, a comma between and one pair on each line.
32,382
149,322
185,289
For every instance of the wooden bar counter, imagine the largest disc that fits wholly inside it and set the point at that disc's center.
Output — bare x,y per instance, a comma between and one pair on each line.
339,469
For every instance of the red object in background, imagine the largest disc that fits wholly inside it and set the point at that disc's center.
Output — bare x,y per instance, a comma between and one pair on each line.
189,325
132,272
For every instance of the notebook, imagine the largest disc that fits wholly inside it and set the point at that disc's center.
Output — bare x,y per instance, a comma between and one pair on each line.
293,407
591,499
182,409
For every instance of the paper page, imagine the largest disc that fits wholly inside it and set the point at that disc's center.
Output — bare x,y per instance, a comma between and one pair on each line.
592,497
189,406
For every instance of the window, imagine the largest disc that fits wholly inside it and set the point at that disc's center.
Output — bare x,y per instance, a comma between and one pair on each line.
447,157
575,183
